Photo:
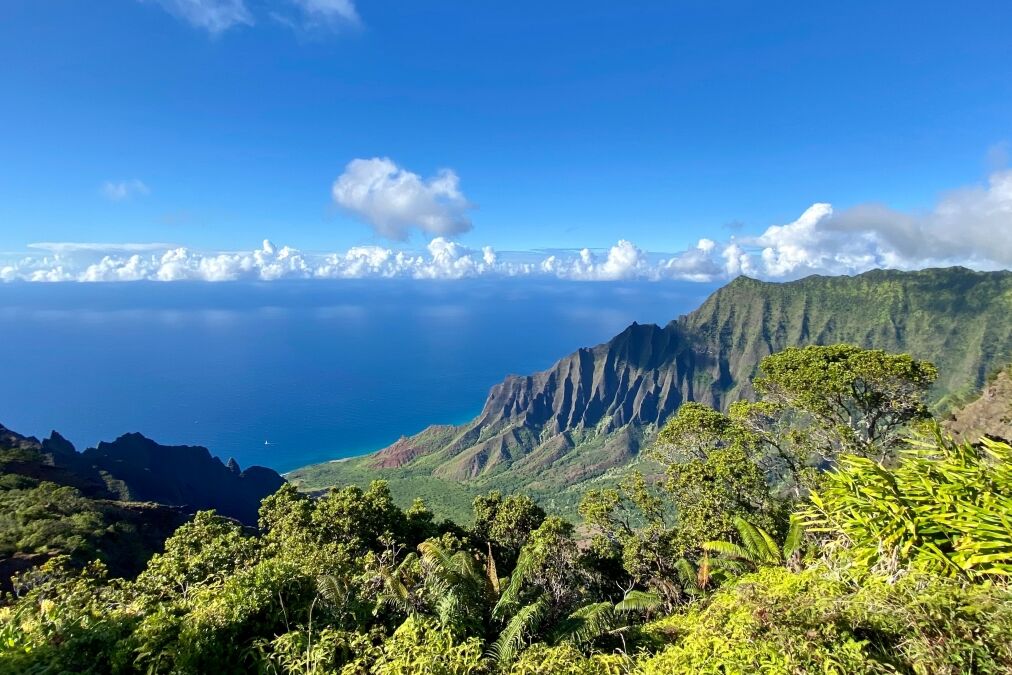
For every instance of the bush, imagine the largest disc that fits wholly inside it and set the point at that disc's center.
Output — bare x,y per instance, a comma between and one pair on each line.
541,659
419,646
824,620
945,509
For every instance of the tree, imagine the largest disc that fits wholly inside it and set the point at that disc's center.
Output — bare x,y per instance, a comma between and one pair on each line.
359,518
503,524
545,586
634,539
286,512
461,589
712,476
848,400
207,550
419,522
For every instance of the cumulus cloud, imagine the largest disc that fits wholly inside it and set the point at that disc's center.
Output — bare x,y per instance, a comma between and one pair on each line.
394,200
695,264
973,224
624,260
971,227
119,190
442,258
214,16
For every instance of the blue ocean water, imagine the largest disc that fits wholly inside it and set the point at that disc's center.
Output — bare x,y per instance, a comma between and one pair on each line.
286,374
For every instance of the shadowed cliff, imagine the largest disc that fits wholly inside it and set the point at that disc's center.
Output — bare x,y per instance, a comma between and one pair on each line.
136,468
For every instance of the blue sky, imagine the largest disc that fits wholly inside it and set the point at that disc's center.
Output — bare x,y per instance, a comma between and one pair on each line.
214,124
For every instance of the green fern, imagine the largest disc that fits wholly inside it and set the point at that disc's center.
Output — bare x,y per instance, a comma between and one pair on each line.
523,624
332,589
758,547
586,623
639,601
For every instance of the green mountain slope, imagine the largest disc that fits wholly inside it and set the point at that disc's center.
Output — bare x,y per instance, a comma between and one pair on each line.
117,502
48,508
590,413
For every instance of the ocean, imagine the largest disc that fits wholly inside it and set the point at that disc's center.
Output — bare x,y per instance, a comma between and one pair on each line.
289,373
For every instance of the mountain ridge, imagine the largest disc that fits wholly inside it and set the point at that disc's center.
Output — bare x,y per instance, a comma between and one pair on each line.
593,409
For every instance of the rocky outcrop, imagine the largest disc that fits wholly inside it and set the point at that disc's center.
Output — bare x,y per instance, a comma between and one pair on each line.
638,376
989,415
53,460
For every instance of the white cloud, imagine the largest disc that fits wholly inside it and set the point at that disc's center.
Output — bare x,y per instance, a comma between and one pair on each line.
75,247
441,259
394,200
624,260
736,261
971,227
694,264
329,13
488,255
119,190
214,16
801,243
114,269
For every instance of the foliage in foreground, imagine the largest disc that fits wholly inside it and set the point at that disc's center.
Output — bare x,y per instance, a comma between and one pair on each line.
903,566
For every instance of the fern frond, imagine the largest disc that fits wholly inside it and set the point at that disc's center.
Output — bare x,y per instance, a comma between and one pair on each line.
435,556
639,601
730,550
586,623
331,588
511,594
727,566
525,622
757,541
395,587
467,568
687,574
795,537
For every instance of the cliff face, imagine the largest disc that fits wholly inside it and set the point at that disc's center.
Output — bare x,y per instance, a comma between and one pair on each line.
593,409
139,469
637,376
53,460
956,318
988,415
135,468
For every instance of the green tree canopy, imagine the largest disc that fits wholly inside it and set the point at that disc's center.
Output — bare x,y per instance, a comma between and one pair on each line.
505,523
848,399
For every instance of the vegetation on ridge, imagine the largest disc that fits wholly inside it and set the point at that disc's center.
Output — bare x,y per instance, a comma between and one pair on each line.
771,541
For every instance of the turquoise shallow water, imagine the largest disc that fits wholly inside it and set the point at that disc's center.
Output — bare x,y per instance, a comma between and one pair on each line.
317,370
